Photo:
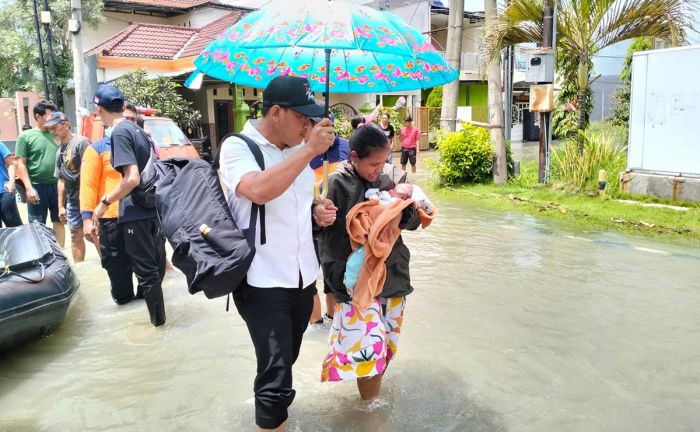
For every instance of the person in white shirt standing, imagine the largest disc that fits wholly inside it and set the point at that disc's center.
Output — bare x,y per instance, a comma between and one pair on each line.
277,298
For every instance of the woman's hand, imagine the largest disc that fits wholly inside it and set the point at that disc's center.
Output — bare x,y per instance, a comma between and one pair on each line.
324,212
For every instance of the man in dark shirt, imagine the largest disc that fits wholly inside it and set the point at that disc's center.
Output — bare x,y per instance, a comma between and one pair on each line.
143,238
68,159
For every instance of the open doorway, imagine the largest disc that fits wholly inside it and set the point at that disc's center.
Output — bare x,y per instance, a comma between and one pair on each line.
223,120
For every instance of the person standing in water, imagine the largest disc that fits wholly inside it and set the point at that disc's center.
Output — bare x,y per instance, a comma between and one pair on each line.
362,342
409,144
389,132
276,299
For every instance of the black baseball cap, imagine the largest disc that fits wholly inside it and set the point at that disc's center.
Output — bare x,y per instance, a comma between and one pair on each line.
56,118
109,97
294,93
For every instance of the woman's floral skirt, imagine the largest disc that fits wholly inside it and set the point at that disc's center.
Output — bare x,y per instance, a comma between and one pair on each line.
361,343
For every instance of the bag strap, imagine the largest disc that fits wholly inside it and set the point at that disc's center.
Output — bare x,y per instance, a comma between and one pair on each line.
255,208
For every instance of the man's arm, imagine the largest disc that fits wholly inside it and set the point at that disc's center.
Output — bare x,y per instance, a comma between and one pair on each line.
10,165
130,179
62,200
263,186
23,173
90,172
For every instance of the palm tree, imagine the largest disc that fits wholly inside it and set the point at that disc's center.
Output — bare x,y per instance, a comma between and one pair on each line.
500,166
584,27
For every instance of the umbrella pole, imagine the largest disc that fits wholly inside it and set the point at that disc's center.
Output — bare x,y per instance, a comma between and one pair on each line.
324,192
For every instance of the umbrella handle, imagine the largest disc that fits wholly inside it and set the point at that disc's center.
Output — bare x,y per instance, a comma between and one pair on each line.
324,193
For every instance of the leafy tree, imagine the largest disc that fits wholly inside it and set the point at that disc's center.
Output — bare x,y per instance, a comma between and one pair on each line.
20,65
159,93
621,111
565,115
584,27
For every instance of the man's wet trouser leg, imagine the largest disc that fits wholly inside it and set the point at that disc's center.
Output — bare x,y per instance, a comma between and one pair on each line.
145,245
276,319
116,261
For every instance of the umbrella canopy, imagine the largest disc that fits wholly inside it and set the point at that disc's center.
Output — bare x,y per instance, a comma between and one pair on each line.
370,51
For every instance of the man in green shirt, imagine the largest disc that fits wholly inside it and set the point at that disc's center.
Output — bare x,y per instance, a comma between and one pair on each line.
36,163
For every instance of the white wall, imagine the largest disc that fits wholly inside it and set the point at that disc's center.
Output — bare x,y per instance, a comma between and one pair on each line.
199,18
471,34
664,111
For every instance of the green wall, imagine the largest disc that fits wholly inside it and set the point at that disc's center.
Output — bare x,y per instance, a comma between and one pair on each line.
463,94
478,94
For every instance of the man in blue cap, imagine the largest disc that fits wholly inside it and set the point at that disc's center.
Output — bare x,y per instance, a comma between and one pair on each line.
144,241
277,297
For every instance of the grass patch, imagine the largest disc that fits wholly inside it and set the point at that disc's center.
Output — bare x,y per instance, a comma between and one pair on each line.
590,211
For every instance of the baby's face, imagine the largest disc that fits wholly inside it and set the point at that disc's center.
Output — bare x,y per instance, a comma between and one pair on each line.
402,190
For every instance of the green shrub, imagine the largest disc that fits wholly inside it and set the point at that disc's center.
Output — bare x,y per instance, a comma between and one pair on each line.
602,149
464,156
341,124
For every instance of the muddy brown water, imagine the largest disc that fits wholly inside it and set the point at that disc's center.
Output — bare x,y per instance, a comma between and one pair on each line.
515,324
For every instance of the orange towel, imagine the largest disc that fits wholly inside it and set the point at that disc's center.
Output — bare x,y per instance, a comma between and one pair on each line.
376,227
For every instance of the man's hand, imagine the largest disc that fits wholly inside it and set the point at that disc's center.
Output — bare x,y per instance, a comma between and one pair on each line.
10,186
62,214
321,137
90,230
98,213
32,196
324,213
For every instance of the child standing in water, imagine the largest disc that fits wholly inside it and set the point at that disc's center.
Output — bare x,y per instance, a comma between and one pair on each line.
364,337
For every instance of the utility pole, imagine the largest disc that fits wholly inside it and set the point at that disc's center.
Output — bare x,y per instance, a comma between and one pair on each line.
47,95
495,96
545,117
453,55
74,26
46,19
508,90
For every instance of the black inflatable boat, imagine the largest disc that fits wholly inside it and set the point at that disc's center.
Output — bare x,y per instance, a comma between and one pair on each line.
37,286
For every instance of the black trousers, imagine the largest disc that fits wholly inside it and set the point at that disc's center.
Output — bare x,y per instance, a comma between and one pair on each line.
144,242
276,319
9,215
115,260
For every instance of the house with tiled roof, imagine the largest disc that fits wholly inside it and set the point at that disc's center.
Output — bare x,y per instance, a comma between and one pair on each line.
164,37
159,48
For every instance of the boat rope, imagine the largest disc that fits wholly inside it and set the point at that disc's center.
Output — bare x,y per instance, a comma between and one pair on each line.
8,272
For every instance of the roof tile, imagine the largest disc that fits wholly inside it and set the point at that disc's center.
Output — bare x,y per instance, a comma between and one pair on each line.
159,41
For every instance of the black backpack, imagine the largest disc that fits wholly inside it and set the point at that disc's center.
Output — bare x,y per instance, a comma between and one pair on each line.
208,247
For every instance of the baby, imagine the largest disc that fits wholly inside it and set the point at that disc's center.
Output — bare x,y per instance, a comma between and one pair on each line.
402,191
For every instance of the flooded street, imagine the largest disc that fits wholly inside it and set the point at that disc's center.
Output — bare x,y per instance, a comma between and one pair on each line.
516,324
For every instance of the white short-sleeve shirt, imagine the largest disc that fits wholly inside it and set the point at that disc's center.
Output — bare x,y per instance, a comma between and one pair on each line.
289,250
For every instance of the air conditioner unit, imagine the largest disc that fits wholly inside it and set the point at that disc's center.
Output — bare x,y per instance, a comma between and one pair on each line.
540,67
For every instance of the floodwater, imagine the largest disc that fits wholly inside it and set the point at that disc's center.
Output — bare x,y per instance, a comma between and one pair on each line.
515,324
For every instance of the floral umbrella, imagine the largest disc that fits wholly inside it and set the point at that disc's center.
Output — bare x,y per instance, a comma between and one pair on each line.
338,47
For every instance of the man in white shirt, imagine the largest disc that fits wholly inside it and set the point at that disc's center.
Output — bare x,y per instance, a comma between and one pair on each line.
277,298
